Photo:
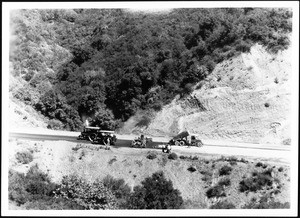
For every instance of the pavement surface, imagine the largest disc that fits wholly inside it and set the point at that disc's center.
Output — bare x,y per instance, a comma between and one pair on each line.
277,153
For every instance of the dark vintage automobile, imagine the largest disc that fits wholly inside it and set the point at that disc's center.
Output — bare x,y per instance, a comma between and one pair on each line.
89,133
105,137
97,136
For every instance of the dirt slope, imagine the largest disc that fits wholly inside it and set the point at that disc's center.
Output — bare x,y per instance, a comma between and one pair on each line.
61,158
245,99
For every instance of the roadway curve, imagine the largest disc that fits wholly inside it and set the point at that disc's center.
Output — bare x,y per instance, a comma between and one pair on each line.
276,153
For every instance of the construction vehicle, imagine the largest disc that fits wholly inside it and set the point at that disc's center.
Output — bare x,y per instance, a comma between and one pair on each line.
182,139
105,137
141,142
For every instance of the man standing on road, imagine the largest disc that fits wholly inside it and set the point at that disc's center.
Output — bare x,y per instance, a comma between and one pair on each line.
107,139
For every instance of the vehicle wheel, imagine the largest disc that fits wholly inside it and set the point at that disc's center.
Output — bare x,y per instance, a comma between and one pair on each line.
177,143
181,143
92,137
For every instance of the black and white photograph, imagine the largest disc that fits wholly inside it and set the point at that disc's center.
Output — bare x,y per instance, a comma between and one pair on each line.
150,108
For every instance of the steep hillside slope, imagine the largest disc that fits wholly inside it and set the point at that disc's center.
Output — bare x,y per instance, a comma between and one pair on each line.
246,98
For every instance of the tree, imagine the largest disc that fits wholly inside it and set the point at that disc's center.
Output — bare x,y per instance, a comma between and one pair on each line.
105,119
156,192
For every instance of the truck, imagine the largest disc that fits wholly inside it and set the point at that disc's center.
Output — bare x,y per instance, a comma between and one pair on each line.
181,139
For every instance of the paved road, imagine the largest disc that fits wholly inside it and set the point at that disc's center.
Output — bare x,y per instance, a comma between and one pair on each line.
268,152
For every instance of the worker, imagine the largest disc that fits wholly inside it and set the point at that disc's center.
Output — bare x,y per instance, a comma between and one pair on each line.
107,139
143,141
166,148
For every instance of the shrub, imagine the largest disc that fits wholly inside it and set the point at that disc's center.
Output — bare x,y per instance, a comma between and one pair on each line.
156,192
182,157
24,157
276,80
216,191
195,158
225,170
257,181
145,121
222,205
280,169
88,195
173,156
112,161
286,142
206,178
260,164
119,188
35,185
224,182
267,105
55,124
151,156
192,169
265,202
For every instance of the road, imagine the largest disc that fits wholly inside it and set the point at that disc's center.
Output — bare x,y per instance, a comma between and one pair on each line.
269,152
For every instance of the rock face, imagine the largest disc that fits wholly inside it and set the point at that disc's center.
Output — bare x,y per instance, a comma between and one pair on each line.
245,99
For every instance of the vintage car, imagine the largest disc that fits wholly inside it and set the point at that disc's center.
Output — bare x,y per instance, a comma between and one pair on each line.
89,133
105,137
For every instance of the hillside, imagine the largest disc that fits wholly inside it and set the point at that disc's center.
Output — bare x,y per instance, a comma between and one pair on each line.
107,65
93,162
246,98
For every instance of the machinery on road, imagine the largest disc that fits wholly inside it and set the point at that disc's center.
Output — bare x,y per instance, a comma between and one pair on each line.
105,137
141,142
89,133
182,139
98,136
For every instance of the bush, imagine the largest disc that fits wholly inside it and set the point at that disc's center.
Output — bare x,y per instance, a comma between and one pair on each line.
225,170
266,202
222,205
156,192
173,156
267,105
257,181
55,124
112,161
151,156
260,164
280,169
192,169
182,157
119,188
224,182
195,158
216,191
24,157
36,185
88,195
286,142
